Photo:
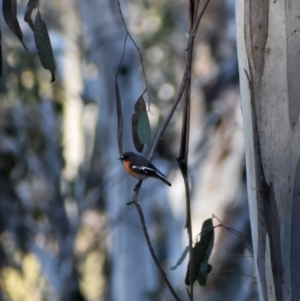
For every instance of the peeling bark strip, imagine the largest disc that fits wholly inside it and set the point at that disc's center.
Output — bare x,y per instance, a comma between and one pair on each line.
262,232
259,22
273,229
267,219
295,266
256,17
292,13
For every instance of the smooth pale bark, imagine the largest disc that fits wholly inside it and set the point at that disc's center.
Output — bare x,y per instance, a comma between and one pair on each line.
269,64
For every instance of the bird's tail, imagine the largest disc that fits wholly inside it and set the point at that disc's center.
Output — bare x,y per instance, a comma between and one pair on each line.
162,177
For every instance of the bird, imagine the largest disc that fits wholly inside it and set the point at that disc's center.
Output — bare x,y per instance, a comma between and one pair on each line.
141,168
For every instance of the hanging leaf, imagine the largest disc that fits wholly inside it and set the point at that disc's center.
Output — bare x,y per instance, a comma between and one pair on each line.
181,259
141,130
43,45
205,269
144,129
136,141
31,5
9,8
201,254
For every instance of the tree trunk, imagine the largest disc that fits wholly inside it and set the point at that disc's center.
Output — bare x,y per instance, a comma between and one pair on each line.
269,63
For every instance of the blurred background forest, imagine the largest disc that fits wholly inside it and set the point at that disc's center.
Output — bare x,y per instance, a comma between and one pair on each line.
66,232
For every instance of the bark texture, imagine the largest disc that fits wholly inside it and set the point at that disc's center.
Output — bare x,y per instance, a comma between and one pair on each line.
268,51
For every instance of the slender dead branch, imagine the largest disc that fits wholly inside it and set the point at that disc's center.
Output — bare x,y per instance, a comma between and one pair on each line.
186,75
183,164
185,84
137,48
243,238
145,231
235,272
118,102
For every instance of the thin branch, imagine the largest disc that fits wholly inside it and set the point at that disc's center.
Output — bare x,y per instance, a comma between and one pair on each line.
239,254
198,18
155,259
234,271
243,238
183,164
184,85
137,48
186,75
118,102
190,235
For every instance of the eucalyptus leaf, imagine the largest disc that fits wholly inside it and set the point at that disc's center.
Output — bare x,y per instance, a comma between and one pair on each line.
43,45
141,130
31,5
9,9
181,259
201,253
144,129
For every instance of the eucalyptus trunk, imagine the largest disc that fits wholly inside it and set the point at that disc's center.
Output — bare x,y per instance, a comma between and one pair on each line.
269,64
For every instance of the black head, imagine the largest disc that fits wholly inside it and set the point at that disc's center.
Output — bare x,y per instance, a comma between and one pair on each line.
126,156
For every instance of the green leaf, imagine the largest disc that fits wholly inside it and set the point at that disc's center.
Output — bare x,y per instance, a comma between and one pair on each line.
205,269
43,45
31,5
144,129
201,252
141,130
9,9
181,259
139,146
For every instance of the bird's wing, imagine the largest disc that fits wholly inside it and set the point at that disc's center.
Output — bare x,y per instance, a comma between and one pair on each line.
142,169
150,172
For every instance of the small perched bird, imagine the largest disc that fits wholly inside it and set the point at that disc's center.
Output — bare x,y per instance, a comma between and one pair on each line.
141,168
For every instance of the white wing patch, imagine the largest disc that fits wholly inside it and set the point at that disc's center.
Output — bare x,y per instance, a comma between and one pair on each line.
144,169
148,171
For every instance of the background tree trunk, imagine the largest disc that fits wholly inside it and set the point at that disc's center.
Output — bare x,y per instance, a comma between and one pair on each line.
132,272
268,53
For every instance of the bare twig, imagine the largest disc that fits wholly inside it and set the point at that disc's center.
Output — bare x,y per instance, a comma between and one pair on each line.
243,238
118,102
182,161
234,271
137,48
185,84
142,219
186,75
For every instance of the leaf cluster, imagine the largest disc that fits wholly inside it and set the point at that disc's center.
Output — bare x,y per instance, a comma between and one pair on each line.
200,268
39,28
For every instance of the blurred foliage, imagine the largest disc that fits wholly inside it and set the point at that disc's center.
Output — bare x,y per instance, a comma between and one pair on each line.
26,284
39,28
